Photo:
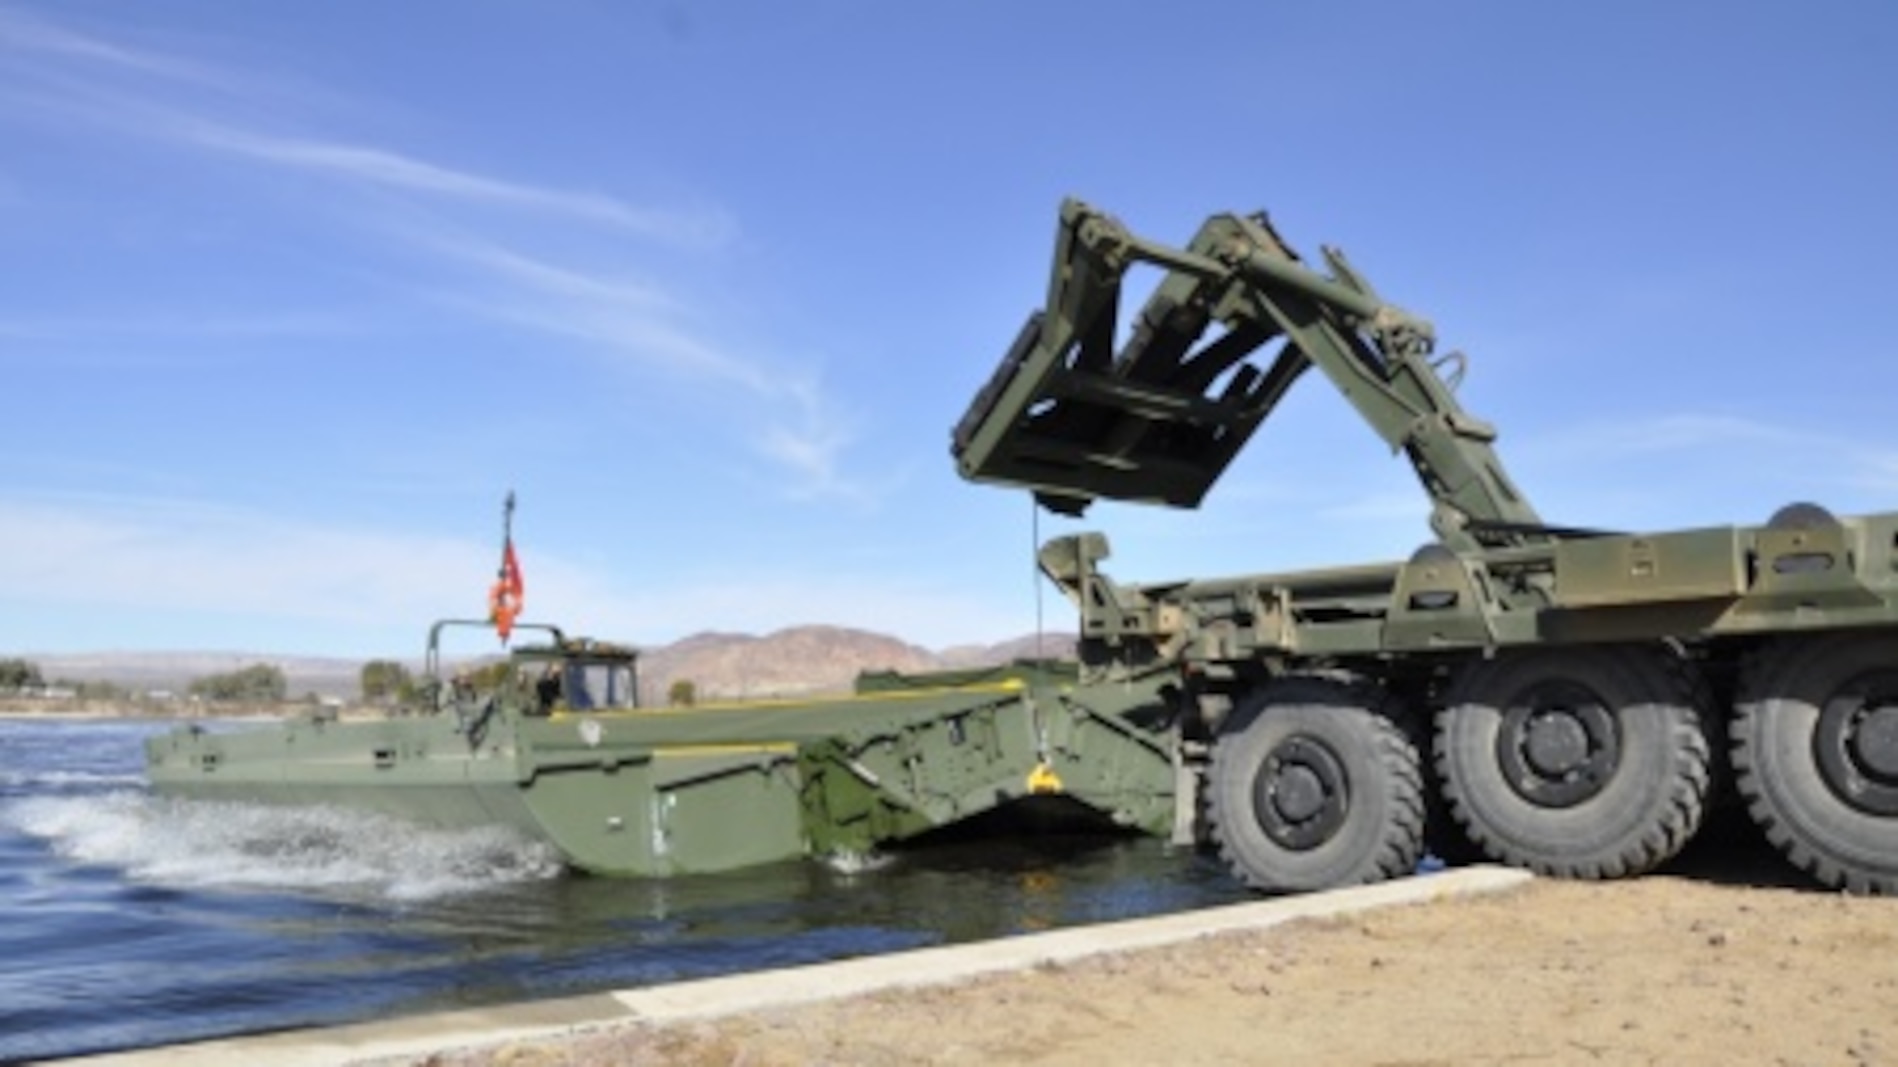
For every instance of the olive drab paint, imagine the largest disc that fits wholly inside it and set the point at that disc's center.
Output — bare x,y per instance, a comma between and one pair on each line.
557,747
1565,699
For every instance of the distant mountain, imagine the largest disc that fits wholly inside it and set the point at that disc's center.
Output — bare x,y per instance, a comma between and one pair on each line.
816,659
791,662
1027,646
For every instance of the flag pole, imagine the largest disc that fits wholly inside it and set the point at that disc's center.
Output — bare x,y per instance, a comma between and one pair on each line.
507,520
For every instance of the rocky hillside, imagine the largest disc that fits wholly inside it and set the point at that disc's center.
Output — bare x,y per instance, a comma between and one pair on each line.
814,659
1027,646
790,662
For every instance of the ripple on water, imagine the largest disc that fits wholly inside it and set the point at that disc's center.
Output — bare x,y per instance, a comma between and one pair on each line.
132,919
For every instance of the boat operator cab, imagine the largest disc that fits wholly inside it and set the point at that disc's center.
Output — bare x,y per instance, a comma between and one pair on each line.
559,675
583,676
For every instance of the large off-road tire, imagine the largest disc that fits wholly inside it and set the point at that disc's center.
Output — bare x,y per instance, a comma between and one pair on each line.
1815,755
1313,786
1588,762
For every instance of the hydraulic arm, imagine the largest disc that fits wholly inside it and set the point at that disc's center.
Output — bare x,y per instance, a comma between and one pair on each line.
1074,417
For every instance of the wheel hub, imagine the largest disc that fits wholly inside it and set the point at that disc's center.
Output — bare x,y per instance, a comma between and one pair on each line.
1856,742
1558,744
1300,795
1876,743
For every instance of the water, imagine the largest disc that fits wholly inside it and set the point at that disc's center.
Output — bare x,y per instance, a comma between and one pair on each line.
128,919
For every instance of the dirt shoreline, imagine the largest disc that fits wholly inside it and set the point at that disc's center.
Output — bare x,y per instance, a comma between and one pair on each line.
1727,957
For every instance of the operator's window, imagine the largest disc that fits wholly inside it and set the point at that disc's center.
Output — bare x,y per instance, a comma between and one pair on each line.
602,686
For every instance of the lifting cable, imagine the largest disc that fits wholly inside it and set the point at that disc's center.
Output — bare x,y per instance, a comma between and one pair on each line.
1034,568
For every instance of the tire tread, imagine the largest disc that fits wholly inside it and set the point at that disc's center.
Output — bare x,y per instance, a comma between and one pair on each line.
1400,845
1674,822
1758,674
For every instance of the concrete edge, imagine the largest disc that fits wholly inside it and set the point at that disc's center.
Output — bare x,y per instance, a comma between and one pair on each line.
418,1036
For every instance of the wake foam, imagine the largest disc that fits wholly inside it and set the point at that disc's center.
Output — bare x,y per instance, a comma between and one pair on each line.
30,781
219,845
851,862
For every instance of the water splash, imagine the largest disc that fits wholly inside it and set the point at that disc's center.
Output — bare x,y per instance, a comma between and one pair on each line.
53,780
219,845
852,862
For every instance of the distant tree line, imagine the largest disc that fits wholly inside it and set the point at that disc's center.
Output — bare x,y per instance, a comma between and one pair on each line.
95,690
259,683
491,675
20,674
23,675
384,681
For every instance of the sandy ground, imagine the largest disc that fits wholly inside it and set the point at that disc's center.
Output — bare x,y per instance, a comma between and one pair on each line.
1727,958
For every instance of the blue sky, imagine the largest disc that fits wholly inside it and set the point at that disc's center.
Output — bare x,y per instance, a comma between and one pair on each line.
294,294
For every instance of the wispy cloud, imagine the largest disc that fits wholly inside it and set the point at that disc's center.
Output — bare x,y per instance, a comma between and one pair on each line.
791,419
1681,431
1879,474
1690,433
812,448
158,554
457,217
619,313
1700,467
151,558
134,111
398,171
23,33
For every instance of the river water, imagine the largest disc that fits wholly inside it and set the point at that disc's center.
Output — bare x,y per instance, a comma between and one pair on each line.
128,919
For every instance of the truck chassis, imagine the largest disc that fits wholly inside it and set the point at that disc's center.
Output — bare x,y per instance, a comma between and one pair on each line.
1564,699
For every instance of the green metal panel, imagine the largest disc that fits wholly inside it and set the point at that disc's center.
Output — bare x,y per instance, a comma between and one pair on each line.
720,812
1439,602
848,808
1686,565
598,817
1108,750
1687,585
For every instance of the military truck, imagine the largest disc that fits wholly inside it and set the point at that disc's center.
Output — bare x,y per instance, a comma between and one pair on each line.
1565,699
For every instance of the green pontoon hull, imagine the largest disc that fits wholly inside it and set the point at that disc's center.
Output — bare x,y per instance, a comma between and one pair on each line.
656,793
